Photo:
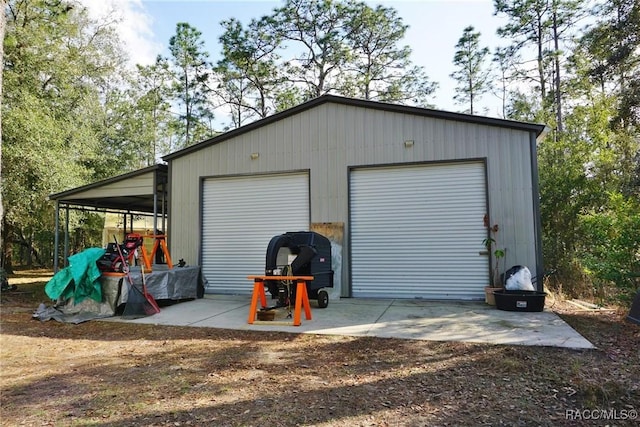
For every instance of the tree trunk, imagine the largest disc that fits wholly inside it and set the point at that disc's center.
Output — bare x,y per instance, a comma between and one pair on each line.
3,24
7,247
558,94
188,110
543,86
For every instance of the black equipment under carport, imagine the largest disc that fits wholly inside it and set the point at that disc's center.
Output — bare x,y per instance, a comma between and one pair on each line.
302,253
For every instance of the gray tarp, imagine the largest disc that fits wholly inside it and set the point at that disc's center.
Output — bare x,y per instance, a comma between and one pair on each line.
177,284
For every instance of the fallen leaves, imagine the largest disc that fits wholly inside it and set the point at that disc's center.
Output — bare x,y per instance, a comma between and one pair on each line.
121,374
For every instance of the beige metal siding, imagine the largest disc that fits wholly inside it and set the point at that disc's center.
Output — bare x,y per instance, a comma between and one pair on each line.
330,138
139,185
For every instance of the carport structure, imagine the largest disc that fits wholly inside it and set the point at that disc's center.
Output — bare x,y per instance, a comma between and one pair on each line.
139,193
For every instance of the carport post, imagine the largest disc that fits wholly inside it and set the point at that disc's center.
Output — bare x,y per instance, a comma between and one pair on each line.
535,180
124,226
164,212
56,238
66,235
155,213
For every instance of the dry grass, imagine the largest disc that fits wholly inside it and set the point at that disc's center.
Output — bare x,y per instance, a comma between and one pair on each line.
118,374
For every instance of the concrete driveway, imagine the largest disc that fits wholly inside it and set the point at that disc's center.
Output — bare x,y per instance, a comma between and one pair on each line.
473,322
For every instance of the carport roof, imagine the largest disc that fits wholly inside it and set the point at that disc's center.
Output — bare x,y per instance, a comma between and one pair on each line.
536,128
136,191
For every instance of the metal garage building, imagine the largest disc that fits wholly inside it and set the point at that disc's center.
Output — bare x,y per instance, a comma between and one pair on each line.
402,191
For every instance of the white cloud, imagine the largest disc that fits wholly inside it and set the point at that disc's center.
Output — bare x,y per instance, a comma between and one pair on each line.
133,25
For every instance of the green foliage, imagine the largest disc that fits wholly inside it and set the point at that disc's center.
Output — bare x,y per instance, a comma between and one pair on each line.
471,73
610,247
189,60
380,68
248,73
613,47
527,27
306,49
566,189
495,253
88,232
542,28
589,162
589,225
57,64
318,33
504,60
524,106
148,122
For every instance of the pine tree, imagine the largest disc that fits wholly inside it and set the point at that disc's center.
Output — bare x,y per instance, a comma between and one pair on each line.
471,75
190,62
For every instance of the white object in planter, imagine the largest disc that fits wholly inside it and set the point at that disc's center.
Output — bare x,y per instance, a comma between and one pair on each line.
520,281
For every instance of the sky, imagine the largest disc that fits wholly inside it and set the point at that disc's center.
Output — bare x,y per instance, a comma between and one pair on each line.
435,26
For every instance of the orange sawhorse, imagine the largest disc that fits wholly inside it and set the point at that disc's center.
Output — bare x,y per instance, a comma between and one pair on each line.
302,298
159,243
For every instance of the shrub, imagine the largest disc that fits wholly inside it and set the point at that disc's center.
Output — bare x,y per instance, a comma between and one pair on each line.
610,249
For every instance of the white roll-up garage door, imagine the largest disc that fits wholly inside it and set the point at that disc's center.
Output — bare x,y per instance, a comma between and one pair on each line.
417,231
240,215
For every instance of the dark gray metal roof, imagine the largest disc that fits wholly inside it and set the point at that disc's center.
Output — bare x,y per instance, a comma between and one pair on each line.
404,109
131,192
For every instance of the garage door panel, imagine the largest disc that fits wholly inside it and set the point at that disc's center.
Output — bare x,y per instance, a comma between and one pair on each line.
417,231
240,216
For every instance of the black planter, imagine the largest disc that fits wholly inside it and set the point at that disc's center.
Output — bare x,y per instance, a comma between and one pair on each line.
520,300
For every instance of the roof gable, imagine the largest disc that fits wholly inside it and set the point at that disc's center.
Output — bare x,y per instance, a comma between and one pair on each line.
361,103
133,191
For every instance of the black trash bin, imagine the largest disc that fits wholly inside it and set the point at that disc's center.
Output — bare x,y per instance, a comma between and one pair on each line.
520,300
